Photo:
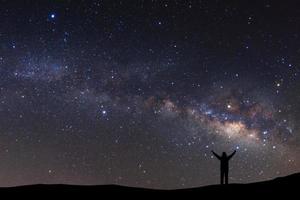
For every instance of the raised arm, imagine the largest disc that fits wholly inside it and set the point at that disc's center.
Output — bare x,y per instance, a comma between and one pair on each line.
219,157
231,155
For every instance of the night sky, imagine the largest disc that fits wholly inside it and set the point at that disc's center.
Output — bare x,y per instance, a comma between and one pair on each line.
138,93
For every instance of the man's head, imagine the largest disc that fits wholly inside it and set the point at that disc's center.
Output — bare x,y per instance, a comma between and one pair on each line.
224,154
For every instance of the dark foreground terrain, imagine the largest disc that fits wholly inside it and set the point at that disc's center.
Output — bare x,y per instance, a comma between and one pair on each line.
288,186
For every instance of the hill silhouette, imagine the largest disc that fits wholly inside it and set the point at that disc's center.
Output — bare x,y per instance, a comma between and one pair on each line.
282,186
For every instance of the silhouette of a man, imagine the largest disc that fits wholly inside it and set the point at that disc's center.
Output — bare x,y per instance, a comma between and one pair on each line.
224,165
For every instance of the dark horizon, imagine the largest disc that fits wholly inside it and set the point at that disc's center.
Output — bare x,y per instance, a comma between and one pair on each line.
139,93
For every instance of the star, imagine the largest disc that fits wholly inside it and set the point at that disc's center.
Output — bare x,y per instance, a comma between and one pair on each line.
52,15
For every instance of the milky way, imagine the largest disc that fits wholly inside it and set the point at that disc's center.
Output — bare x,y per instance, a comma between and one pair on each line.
107,92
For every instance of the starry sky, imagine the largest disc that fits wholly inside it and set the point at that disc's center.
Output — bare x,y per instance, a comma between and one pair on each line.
138,93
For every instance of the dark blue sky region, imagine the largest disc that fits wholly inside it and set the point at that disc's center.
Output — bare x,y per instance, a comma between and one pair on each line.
138,93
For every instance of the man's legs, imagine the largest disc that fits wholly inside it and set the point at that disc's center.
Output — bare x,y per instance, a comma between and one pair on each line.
222,177
226,177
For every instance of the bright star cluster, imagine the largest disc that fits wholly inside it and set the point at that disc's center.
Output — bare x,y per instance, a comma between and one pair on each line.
138,93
